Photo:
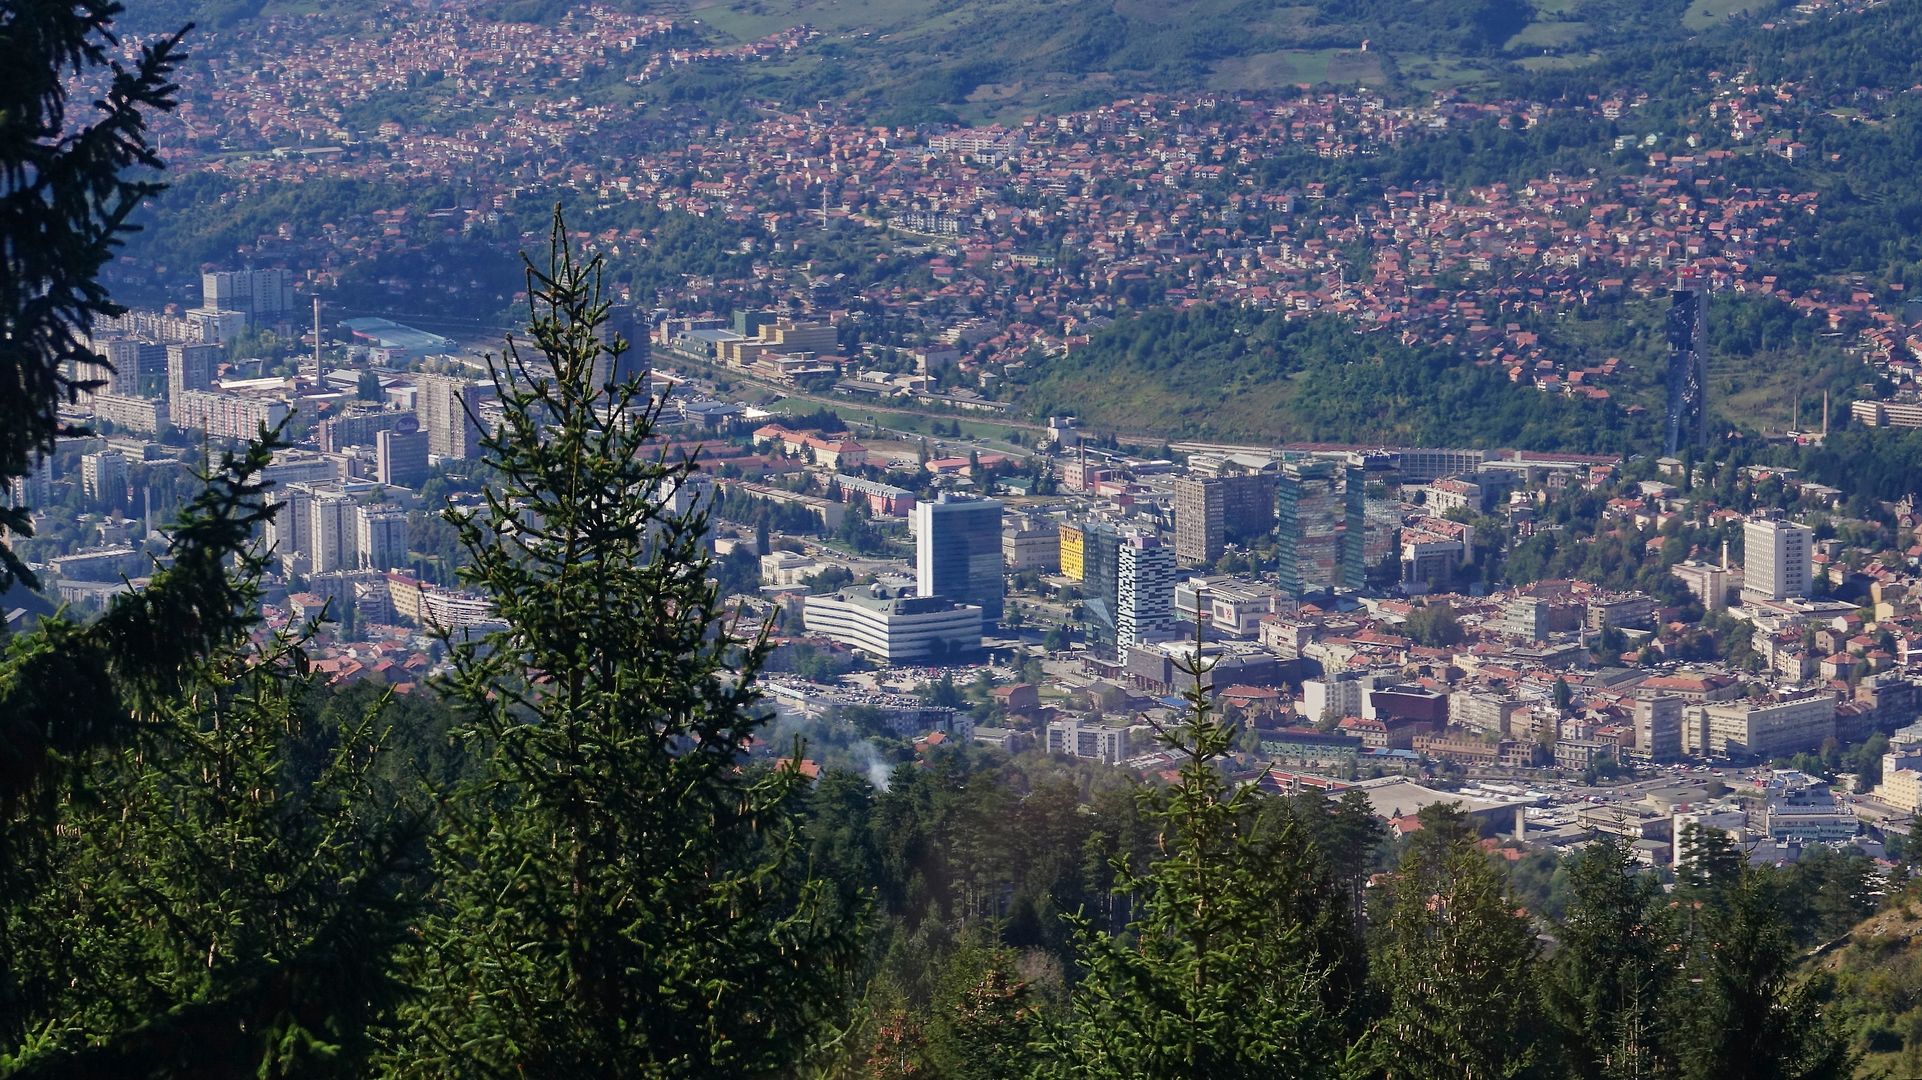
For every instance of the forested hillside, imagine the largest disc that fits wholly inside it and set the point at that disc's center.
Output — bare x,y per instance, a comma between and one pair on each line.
1228,373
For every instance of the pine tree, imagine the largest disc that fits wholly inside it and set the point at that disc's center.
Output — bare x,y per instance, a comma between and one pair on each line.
1456,963
984,1017
1743,1011
621,891
1218,975
1608,980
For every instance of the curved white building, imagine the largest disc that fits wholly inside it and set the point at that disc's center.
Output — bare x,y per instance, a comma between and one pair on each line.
894,629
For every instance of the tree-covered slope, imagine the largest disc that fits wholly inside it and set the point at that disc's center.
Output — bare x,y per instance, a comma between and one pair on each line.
1236,374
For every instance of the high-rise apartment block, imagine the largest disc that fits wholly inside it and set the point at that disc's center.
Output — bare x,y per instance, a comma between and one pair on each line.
119,368
318,528
129,413
265,296
380,537
104,474
35,487
191,367
1211,510
1144,592
958,552
1201,528
330,533
226,416
1775,559
449,407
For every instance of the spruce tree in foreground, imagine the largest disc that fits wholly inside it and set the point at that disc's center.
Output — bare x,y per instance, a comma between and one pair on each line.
1743,1011
1456,962
1219,975
620,893
1607,983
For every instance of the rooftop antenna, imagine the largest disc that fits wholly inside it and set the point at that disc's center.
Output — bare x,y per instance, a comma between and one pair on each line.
824,207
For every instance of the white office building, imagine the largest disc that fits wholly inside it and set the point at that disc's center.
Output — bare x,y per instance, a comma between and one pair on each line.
1775,559
892,629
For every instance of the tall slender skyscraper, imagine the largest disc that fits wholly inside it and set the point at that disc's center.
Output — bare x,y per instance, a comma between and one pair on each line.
958,553
1353,571
447,405
1101,586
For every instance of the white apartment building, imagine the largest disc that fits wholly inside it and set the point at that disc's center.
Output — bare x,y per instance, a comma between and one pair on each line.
1088,739
380,537
103,474
1763,729
1145,593
330,534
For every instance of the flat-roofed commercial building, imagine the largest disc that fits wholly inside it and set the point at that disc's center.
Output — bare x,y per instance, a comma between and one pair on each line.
892,629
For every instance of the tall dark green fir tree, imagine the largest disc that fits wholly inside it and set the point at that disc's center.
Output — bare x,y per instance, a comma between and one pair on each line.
1219,974
621,892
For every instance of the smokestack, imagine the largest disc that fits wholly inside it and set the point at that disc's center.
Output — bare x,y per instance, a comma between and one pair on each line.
1825,414
319,372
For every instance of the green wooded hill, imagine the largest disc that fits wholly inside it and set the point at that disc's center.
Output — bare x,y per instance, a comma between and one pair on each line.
1229,373
1877,968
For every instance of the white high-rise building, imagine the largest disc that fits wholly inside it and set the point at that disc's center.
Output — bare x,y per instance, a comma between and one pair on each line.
330,534
265,296
286,531
1775,559
447,406
380,537
103,475
118,371
1144,593
191,367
